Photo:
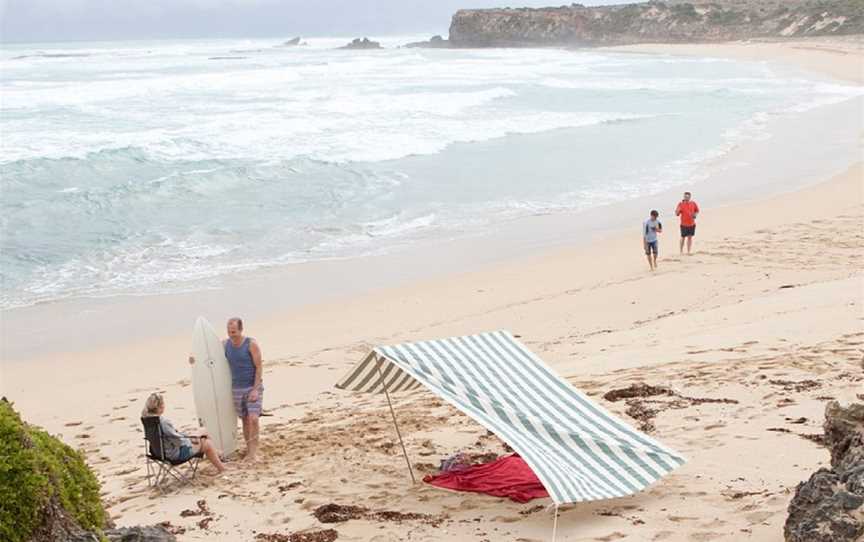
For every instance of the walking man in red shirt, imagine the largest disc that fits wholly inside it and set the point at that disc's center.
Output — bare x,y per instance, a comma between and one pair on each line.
688,211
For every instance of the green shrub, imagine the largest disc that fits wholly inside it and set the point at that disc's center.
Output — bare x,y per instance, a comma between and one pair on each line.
685,12
37,469
725,17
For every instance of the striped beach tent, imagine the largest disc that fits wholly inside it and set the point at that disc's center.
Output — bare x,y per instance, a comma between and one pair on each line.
578,450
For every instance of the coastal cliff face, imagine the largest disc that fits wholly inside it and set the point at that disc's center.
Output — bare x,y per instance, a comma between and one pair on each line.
658,22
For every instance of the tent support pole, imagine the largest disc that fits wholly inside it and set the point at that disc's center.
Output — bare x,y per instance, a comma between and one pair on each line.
555,524
395,423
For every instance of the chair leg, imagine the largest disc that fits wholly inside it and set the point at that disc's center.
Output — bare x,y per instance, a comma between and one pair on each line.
151,472
184,474
194,467
179,475
161,477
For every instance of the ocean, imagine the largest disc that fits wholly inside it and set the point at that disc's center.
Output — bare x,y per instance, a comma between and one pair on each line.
164,166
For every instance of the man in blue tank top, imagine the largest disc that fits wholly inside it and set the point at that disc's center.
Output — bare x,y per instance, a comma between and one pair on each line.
244,358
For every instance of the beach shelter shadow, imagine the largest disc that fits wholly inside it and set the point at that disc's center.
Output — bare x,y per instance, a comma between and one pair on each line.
578,450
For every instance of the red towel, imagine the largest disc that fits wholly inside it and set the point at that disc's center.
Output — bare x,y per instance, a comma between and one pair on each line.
507,476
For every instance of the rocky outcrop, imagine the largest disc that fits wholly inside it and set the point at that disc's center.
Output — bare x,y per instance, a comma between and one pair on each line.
829,507
293,42
435,42
655,21
365,43
154,533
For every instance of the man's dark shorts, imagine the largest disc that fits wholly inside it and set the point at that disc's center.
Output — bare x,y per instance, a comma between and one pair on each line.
651,247
688,231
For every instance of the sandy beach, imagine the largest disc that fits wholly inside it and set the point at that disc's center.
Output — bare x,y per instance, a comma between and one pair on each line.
764,319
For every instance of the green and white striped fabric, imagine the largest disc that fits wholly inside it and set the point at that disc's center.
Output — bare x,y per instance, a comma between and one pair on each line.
579,450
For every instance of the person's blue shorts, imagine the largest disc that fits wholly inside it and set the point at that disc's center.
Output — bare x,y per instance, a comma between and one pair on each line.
185,453
651,246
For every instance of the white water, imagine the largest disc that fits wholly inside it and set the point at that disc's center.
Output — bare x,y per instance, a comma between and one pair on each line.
148,166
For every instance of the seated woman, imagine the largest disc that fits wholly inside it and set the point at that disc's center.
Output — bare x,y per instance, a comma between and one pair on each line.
179,447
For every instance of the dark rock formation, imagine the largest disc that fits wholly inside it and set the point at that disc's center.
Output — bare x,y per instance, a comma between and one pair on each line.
126,534
293,42
140,534
829,507
435,42
365,43
655,21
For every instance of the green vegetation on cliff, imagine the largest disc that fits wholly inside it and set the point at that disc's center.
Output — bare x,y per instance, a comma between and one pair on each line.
655,21
39,476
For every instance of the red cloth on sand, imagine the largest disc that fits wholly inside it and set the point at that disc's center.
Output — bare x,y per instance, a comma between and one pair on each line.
507,476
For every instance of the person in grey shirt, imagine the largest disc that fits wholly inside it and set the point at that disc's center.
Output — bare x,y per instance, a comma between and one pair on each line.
650,229
176,445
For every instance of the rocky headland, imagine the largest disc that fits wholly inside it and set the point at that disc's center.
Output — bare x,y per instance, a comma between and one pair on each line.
655,22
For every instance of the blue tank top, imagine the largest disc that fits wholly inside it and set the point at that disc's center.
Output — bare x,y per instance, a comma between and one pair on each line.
240,361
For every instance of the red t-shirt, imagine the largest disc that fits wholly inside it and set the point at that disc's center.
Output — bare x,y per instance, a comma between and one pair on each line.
687,209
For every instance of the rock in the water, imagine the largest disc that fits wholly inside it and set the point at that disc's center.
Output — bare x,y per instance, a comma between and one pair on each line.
365,43
829,507
435,42
293,42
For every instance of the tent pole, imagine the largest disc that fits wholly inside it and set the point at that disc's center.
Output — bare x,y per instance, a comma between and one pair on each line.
555,524
395,423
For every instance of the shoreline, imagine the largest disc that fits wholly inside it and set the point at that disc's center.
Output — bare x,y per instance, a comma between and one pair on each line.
838,57
770,300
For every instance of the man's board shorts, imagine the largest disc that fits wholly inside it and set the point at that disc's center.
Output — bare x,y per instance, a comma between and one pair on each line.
651,246
243,405
688,231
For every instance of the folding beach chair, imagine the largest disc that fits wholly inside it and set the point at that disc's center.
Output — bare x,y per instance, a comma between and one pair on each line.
159,467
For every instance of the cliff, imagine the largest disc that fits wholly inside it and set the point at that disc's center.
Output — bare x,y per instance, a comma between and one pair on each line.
657,22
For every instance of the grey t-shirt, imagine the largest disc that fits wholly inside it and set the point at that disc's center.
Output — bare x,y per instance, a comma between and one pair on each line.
649,230
173,439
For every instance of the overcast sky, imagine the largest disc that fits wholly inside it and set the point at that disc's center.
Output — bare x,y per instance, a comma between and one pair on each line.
64,20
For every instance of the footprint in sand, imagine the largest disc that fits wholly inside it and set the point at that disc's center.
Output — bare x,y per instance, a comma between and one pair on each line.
704,536
679,519
758,517
609,537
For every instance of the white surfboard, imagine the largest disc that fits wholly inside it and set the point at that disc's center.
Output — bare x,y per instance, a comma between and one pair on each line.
211,385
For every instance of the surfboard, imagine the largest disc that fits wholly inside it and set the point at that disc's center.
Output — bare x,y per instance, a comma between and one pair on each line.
211,385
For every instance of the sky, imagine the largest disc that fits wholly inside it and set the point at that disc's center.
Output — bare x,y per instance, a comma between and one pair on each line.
73,20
